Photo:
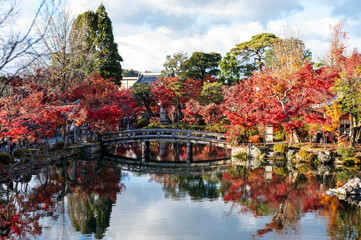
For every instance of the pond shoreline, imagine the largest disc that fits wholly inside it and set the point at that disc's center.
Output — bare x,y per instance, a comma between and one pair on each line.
93,151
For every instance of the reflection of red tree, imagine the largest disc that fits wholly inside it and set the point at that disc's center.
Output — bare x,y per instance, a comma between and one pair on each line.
128,150
104,182
20,216
285,197
208,152
173,151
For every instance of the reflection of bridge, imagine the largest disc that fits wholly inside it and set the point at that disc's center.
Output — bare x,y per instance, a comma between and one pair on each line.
148,135
166,168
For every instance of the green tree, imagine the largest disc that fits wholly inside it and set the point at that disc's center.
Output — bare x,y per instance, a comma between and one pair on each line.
99,48
130,73
211,93
201,65
173,65
253,50
143,96
230,70
348,86
83,42
178,89
109,57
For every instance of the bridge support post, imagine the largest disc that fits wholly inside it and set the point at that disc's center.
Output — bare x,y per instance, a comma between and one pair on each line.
75,131
161,149
75,169
189,152
145,151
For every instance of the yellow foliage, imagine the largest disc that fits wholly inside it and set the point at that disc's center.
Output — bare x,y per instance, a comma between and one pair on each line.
333,206
255,139
334,113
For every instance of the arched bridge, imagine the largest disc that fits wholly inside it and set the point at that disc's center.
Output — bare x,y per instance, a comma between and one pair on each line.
148,135
137,135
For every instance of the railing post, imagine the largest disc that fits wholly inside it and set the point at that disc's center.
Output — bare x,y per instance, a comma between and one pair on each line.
189,152
145,151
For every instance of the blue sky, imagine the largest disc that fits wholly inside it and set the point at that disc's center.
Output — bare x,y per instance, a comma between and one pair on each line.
148,30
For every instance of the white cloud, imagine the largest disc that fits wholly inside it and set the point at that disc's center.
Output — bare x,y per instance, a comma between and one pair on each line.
148,30
148,50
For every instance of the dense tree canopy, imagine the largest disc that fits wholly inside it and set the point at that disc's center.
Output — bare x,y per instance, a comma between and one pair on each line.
174,64
288,91
251,54
130,73
200,65
99,51
230,70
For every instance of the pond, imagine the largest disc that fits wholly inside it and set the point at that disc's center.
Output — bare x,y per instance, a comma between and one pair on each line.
92,200
172,151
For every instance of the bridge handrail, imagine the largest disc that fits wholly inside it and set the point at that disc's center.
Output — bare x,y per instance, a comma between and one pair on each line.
163,132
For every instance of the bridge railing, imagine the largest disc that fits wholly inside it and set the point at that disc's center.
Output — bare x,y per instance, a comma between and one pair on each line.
165,133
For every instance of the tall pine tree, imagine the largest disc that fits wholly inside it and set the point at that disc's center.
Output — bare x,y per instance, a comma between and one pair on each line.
100,51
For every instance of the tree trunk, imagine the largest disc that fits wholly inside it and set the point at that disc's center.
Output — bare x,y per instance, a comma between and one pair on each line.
178,110
149,110
285,111
352,131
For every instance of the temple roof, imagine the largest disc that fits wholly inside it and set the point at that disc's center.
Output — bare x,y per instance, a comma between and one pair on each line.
147,77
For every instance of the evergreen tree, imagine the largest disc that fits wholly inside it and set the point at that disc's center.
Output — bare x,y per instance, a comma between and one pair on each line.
201,65
109,57
98,40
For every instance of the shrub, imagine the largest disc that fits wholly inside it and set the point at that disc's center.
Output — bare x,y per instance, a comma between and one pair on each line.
255,139
5,158
279,136
344,152
281,148
59,146
141,123
18,153
306,156
218,128
152,125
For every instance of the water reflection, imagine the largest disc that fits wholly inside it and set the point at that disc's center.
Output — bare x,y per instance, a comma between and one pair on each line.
288,196
86,199
198,187
93,192
90,193
171,151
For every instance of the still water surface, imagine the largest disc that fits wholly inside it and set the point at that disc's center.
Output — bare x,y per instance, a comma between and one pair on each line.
86,200
172,151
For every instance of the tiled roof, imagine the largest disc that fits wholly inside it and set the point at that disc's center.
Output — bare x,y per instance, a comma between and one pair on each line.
147,77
